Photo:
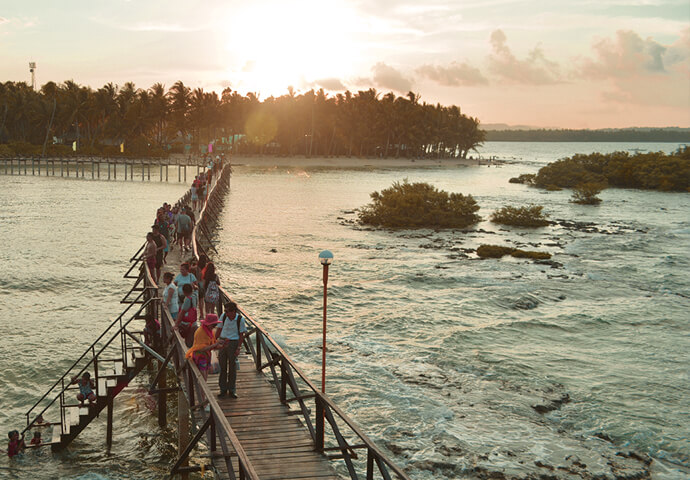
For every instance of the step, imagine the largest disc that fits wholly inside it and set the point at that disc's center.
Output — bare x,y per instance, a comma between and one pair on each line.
72,414
57,431
101,388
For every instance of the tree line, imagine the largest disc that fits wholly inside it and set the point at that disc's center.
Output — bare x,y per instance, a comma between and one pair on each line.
674,135
157,120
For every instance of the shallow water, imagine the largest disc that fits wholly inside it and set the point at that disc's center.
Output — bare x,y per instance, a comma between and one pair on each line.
439,357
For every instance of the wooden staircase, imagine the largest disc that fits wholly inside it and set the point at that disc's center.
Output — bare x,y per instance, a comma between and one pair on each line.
112,360
114,376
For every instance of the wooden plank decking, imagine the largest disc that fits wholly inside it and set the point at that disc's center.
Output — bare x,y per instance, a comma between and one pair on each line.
278,444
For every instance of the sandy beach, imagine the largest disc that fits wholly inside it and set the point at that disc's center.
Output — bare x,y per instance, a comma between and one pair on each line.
266,161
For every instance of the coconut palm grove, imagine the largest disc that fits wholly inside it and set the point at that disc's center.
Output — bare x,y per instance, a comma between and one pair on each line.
59,118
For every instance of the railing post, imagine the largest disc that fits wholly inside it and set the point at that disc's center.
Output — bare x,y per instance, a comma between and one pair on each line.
258,350
319,442
283,381
370,464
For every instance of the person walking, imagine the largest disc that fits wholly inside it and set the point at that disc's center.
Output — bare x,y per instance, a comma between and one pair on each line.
184,230
230,337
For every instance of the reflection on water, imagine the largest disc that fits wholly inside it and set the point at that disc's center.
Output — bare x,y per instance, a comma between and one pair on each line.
441,358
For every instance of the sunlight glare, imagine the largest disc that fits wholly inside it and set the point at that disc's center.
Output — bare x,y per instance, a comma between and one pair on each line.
276,44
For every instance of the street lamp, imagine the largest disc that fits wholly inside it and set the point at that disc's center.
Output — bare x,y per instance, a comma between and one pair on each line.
326,258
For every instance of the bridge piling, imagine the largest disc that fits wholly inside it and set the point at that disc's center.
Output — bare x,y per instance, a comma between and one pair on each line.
109,431
182,428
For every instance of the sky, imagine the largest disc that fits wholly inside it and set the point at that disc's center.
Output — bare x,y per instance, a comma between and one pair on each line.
551,64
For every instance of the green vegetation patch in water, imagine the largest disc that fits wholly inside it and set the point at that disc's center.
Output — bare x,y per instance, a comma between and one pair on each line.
527,216
498,251
650,171
419,205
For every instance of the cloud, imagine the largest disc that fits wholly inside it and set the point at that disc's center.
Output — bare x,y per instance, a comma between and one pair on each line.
679,51
332,84
626,54
639,71
160,27
388,77
454,75
536,69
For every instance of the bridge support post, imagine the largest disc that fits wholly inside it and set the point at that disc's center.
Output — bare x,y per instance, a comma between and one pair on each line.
109,430
162,400
320,424
183,428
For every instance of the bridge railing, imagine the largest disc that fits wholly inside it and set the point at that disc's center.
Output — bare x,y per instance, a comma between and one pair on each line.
215,425
328,425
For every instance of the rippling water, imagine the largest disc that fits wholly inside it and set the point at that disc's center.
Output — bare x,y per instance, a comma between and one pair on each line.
440,356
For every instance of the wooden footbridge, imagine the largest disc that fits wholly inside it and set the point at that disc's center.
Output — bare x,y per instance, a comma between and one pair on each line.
281,426
105,168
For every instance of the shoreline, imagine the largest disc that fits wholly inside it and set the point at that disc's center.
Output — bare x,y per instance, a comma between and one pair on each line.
266,161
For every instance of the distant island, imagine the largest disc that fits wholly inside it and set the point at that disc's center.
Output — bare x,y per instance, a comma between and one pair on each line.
671,134
68,118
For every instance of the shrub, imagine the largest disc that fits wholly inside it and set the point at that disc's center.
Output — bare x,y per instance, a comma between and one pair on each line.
419,205
586,194
529,216
526,178
498,251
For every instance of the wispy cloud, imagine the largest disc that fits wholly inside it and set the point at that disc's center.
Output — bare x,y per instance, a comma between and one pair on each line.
161,27
454,75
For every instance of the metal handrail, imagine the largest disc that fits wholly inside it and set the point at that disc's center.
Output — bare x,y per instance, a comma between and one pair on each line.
119,317
91,348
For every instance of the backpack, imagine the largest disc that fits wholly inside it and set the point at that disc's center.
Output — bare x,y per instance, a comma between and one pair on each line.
212,292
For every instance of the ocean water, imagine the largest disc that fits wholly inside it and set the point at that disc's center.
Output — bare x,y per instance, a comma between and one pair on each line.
441,357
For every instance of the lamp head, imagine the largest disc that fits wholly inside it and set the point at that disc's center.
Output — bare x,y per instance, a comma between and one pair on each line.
326,257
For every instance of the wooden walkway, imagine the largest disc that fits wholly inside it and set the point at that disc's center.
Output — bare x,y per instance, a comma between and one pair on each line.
277,443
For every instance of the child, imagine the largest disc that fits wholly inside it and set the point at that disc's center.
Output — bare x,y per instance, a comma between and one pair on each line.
36,441
86,387
40,422
151,330
16,445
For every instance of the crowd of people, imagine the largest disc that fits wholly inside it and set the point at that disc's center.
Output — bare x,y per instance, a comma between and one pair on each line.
191,296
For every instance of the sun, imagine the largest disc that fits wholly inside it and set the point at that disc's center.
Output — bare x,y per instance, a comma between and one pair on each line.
276,44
